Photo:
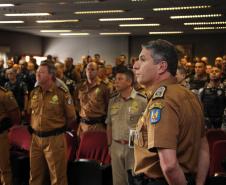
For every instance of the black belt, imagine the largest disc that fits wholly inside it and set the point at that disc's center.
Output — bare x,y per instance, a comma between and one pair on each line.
92,121
54,132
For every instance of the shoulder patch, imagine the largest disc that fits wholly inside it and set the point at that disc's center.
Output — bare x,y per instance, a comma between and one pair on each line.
4,89
63,89
155,115
142,95
159,93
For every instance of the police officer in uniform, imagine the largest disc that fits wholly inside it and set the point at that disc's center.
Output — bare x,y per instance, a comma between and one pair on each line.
52,110
19,89
9,114
60,74
199,79
93,97
124,110
213,97
173,121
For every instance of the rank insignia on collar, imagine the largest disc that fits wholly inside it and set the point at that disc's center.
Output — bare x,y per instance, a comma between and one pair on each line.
155,115
159,93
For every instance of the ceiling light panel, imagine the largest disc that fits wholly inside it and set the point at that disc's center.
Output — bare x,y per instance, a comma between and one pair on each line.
122,19
57,21
99,12
74,34
165,32
6,5
115,33
195,16
54,31
11,22
139,25
181,8
209,28
203,23
27,14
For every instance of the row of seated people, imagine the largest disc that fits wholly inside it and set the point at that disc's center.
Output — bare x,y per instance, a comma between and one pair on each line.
93,146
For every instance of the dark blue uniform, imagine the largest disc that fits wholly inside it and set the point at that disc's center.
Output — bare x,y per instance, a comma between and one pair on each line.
214,102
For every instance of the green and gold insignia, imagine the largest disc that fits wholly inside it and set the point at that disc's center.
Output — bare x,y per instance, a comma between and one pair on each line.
54,100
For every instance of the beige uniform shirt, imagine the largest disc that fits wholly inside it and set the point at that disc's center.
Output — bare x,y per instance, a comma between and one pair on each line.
124,114
7,102
94,100
50,109
174,120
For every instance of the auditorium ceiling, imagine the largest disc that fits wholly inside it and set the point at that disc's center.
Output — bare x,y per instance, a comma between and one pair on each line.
66,18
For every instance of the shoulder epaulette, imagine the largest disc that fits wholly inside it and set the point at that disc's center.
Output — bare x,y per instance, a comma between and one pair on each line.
63,89
4,89
114,94
142,95
159,93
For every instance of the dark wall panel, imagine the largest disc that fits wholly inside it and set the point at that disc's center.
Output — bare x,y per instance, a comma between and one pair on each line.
210,45
21,43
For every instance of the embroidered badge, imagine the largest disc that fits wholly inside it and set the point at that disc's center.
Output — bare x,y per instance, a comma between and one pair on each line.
155,115
54,99
97,91
159,93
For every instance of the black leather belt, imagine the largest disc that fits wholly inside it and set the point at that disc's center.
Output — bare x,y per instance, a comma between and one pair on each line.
54,132
92,121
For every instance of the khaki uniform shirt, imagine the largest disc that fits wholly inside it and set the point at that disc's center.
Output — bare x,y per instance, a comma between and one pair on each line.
174,120
94,100
7,102
50,109
124,114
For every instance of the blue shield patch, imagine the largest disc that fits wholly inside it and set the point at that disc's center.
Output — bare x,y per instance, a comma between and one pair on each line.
155,115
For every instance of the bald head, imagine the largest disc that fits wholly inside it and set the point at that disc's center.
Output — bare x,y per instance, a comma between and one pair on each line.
91,71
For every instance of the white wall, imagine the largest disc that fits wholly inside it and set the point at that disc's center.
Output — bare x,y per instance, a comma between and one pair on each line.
108,47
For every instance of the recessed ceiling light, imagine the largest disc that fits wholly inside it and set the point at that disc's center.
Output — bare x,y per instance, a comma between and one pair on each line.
11,22
74,34
6,5
27,14
181,8
54,31
115,33
99,12
203,23
122,19
194,16
57,21
165,32
209,28
138,25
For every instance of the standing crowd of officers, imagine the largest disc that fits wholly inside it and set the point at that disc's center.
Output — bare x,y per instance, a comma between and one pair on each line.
54,97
